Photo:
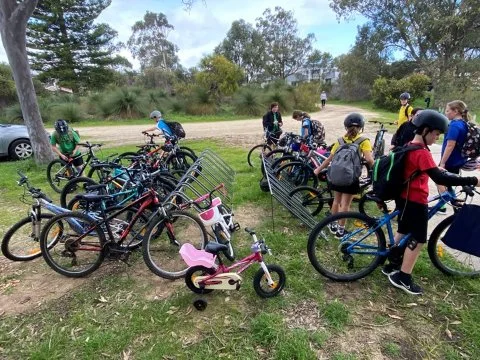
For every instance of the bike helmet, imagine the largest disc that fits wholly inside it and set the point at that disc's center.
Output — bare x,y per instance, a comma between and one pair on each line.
61,127
432,120
471,165
155,114
354,119
405,96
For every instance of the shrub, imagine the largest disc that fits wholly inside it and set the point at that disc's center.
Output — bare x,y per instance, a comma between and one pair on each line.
200,103
13,113
246,103
93,103
71,112
386,92
123,103
280,97
177,106
306,97
46,109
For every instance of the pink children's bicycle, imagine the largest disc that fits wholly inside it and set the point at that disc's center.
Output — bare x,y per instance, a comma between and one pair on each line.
207,272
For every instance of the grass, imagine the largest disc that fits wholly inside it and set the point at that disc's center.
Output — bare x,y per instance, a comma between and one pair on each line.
126,312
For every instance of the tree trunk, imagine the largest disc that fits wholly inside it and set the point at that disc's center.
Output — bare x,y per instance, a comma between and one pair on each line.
13,30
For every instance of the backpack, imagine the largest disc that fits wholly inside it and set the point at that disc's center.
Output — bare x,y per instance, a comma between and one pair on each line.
471,147
56,135
346,166
318,131
406,110
388,173
177,129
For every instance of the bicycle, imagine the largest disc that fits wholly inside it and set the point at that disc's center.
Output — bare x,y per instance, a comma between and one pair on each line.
254,157
379,143
204,275
60,171
364,247
75,244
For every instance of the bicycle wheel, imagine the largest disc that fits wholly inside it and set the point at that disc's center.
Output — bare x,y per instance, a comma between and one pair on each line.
72,245
22,241
163,240
188,150
181,160
447,260
74,187
297,174
254,157
194,272
220,234
120,222
351,257
59,173
260,282
313,199
370,207
125,159
277,163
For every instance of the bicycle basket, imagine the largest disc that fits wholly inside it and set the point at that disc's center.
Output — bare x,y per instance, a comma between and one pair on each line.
466,241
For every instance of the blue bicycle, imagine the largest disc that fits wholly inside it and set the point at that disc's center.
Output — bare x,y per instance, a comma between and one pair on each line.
364,247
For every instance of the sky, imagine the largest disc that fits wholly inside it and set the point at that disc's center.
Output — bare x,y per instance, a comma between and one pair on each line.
198,31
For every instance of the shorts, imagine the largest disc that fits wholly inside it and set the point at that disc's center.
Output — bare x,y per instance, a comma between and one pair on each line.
77,160
349,189
413,218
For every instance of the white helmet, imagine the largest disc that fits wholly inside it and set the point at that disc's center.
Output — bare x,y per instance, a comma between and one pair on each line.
155,114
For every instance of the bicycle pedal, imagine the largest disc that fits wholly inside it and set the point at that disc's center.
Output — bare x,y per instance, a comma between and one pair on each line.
236,227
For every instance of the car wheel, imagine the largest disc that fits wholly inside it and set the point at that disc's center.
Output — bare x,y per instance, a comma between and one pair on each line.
20,149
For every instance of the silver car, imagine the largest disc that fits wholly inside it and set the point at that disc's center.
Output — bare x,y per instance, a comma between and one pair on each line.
14,142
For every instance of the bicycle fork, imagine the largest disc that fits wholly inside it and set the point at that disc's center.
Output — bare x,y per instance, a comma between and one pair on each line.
270,282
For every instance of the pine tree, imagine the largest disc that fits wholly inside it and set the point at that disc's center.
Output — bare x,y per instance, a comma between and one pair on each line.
63,43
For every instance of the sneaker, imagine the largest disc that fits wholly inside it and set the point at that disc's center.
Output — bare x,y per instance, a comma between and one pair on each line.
412,288
390,269
333,227
341,232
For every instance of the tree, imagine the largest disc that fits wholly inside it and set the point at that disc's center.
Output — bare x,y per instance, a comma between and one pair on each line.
245,47
218,75
14,15
8,93
441,36
149,42
318,62
65,44
285,51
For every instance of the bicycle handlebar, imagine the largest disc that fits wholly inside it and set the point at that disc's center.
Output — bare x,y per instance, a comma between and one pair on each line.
208,196
36,193
88,145
381,122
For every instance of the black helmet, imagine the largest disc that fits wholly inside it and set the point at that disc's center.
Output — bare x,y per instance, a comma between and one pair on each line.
156,115
432,120
61,126
405,96
354,119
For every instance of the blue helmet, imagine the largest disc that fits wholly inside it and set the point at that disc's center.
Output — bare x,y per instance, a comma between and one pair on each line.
405,96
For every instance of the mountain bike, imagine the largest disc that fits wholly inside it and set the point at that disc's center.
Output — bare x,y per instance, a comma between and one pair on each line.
254,157
379,143
60,171
205,275
364,247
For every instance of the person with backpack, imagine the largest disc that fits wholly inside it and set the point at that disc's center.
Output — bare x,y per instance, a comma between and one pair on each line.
412,198
312,130
65,142
405,112
345,162
272,122
406,132
161,125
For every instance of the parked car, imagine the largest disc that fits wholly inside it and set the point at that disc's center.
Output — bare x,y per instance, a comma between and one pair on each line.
14,142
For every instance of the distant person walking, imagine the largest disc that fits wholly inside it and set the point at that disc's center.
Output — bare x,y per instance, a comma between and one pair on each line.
323,98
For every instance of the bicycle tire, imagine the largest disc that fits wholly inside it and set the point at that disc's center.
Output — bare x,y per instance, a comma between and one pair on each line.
189,150
277,163
191,274
448,260
278,276
161,254
313,199
30,242
297,173
253,150
54,179
323,237
369,207
77,184
64,252
180,161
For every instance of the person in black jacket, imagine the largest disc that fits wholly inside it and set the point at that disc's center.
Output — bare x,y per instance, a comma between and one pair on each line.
406,132
272,122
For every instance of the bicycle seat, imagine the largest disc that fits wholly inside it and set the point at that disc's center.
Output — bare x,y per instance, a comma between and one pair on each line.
93,197
95,187
214,248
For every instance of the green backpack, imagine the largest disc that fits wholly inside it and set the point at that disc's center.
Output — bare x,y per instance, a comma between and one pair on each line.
70,135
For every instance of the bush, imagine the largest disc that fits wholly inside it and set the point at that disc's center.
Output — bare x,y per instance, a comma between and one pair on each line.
306,97
71,112
13,113
246,103
124,103
386,92
177,106
281,98
200,103
46,110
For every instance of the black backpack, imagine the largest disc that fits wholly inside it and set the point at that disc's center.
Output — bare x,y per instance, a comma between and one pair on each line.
388,179
176,128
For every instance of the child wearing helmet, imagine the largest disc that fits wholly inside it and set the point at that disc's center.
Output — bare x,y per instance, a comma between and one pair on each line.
65,143
405,112
343,195
413,201
161,124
